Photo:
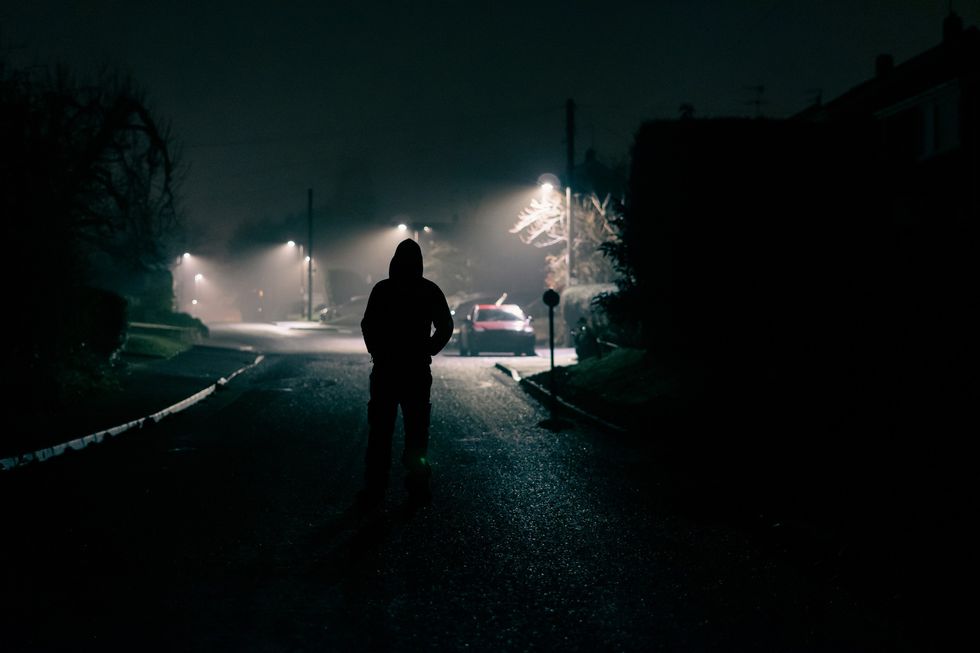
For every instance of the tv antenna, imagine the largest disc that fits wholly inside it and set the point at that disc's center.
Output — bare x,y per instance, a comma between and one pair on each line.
758,100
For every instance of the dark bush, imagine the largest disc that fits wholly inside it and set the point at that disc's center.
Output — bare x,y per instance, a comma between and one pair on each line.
98,323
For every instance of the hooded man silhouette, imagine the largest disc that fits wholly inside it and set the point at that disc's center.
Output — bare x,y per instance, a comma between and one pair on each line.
398,331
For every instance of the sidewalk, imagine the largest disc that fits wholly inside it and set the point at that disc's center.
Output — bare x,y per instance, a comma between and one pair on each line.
305,325
523,369
147,386
526,366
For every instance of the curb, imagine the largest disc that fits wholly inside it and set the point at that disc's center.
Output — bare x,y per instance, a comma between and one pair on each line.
305,326
542,393
47,453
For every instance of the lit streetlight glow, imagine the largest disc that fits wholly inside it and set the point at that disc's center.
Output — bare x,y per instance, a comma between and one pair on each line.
547,187
402,227
198,277
427,229
187,255
291,243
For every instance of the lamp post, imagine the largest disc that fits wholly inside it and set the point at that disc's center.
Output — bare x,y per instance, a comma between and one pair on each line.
568,236
302,273
180,279
547,187
309,258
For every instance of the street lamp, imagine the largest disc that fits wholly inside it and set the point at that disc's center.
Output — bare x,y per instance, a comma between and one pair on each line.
305,259
416,227
198,278
547,182
182,278
568,234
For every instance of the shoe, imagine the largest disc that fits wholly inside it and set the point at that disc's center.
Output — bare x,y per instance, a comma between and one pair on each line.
417,479
418,490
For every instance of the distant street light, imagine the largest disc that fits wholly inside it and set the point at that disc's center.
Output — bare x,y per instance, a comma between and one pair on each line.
547,187
197,279
291,244
415,227
187,255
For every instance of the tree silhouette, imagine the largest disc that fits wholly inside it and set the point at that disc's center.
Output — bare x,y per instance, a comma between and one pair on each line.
89,202
543,224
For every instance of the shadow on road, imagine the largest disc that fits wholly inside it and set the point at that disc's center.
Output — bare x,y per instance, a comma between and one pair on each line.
346,559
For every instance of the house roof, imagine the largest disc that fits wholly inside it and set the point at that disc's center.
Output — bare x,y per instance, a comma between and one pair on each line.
957,57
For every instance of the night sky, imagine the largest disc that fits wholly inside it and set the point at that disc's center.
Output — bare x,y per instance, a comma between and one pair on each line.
432,110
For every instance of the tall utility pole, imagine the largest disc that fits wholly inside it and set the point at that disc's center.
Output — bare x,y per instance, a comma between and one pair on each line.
569,171
309,254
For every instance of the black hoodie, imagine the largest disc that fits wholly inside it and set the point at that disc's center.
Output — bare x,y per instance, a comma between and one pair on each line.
402,310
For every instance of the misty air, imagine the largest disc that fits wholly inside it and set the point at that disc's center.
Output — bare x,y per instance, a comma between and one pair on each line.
488,326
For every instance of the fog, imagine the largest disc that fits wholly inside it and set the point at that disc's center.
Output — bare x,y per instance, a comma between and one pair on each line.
258,276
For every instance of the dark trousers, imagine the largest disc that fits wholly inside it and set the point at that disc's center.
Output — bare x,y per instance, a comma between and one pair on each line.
402,385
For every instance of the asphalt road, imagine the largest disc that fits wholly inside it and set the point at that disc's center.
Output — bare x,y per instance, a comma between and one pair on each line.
228,527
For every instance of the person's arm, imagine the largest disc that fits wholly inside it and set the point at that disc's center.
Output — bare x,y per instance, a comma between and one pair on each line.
369,322
443,321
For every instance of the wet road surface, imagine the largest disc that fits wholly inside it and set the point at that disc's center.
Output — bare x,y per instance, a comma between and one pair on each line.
228,527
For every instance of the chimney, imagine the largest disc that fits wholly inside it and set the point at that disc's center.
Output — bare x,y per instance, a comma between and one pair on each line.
883,64
952,26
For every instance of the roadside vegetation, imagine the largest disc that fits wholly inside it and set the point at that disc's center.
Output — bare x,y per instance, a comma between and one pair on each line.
790,339
91,213
145,345
619,386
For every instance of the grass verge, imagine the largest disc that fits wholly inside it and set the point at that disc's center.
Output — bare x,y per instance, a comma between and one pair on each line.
153,346
618,387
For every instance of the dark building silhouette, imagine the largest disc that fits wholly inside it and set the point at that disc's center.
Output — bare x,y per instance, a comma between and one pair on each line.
813,279
924,116
851,227
737,227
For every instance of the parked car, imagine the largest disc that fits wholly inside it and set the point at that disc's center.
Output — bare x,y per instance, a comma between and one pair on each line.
496,328
348,312
463,308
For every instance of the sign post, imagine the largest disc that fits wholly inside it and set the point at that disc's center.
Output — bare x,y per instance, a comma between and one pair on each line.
551,299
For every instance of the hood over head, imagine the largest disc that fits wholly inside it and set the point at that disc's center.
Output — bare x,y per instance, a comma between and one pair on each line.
407,261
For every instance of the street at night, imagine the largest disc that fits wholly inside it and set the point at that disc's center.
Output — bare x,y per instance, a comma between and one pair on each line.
552,326
229,527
